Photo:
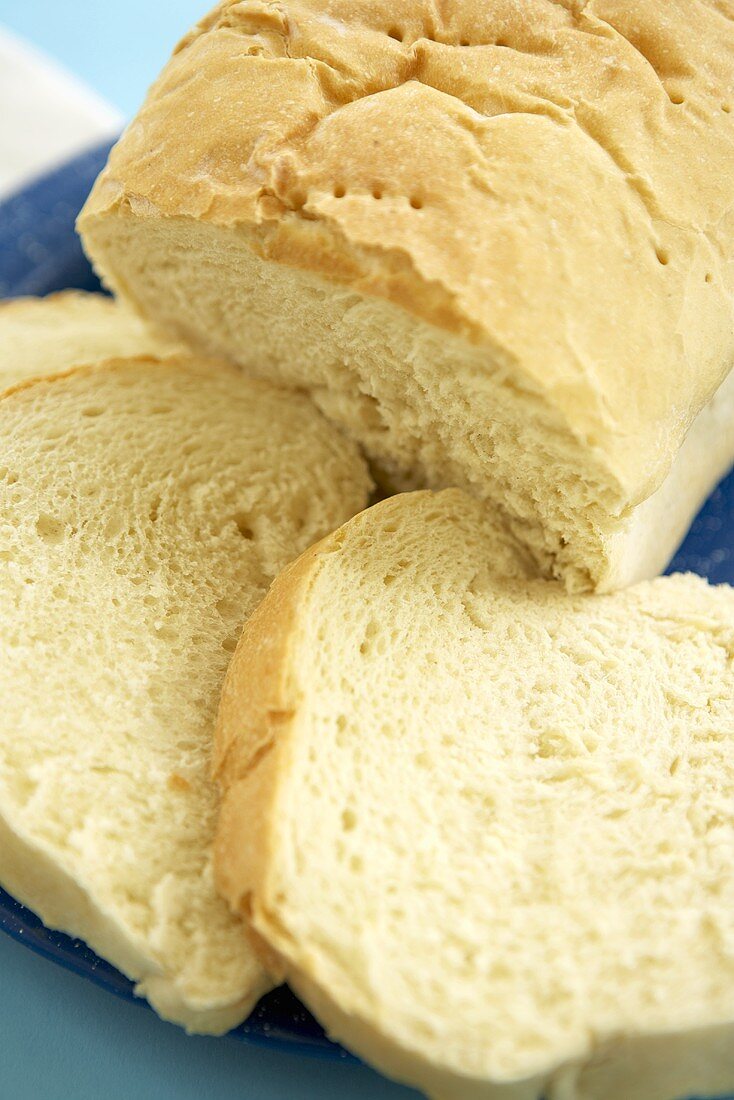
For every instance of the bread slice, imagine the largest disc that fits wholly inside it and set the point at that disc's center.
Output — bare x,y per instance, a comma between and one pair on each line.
449,224
484,828
144,508
42,336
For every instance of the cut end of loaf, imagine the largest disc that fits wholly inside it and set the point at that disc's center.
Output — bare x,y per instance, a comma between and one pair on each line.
404,389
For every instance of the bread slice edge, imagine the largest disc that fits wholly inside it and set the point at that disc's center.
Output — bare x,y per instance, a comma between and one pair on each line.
260,700
36,879
258,720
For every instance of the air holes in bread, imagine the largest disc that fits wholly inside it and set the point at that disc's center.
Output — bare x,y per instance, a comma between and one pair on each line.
242,524
51,530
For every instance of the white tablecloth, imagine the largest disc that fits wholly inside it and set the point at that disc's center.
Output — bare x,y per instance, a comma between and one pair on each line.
46,115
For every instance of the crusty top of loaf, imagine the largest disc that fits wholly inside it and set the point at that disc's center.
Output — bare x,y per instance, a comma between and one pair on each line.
551,178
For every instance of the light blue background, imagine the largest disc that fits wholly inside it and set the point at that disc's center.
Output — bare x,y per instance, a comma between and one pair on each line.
118,48
60,1037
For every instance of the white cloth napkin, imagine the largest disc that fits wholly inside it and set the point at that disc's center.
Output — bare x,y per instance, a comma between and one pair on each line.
46,115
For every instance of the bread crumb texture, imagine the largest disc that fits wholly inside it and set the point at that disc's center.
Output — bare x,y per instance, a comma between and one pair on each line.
144,509
494,239
42,336
494,841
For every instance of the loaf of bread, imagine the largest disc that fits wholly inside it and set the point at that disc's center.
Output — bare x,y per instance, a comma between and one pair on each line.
483,827
494,240
42,336
144,508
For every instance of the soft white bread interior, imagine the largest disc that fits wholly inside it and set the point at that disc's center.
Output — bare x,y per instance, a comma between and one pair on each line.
451,225
144,508
42,336
485,828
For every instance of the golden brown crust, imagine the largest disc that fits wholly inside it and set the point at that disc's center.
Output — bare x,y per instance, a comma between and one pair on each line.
555,185
256,711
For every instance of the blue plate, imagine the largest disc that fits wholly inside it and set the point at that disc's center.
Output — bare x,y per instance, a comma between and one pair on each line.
39,253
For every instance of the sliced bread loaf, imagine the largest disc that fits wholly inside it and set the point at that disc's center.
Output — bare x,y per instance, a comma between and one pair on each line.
484,828
41,336
493,238
144,508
